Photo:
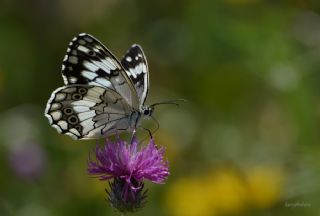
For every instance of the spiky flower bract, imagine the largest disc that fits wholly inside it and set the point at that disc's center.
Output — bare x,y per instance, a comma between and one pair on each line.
132,203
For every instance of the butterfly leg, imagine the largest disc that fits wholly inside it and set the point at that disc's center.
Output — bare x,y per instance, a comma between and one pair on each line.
149,131
132,136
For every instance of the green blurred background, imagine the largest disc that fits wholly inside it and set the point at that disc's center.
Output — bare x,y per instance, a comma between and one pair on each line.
247,141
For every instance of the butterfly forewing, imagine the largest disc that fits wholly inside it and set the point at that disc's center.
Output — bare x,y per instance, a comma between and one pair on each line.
135,64
83,111
89,62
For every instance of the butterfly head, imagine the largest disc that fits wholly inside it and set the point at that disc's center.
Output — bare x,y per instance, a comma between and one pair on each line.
147,110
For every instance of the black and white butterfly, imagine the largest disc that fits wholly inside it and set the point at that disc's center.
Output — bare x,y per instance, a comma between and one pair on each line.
101,95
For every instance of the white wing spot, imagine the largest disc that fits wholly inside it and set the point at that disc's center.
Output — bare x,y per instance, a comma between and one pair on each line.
103,82
129,59
136,58
83,49
133,72
109,62
60,96
139,69
73,79
90,66
56,115
57,128
74,131
63,125
65,58
82,42
89,75
73,59
102,66
55,106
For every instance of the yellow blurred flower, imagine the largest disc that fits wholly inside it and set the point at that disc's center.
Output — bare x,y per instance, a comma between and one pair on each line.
222,191
228,191
265,186
225,191
188,197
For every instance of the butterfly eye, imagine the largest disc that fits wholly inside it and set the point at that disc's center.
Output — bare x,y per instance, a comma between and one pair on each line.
146,112
82,90
73,120
76,97
68,111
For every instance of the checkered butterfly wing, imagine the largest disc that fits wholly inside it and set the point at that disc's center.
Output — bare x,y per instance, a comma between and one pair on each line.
135,64
89,62
84,112
99,97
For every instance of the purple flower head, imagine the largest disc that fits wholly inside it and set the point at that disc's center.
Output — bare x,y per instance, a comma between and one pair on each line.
128,165
27,159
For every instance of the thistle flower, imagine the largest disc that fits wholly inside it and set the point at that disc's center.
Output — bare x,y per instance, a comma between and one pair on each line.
128,166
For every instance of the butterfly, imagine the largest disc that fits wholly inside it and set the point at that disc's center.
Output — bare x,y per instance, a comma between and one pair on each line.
101,95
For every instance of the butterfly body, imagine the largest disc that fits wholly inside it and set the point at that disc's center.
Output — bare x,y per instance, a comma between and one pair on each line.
101,95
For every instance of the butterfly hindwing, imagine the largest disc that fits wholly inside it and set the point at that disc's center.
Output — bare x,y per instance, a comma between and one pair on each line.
83,111
135,64
89,62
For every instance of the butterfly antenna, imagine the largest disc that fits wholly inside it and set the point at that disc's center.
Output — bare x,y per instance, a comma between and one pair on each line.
174,102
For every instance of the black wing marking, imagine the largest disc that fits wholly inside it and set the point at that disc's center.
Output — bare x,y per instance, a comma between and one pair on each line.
135,64
89,62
